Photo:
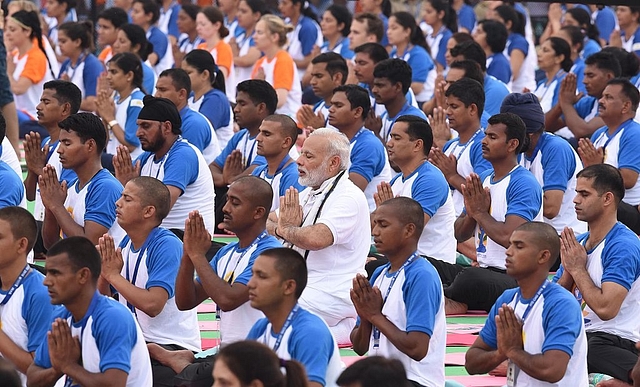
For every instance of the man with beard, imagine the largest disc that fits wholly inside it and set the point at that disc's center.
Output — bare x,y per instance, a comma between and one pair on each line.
328,223
172,160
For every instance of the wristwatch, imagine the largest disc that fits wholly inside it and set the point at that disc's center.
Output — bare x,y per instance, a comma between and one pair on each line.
112,123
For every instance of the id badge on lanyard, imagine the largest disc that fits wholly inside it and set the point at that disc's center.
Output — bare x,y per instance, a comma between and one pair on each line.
512,374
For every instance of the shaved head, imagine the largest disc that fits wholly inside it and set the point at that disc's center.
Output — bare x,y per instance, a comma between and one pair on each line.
544,236
407,211
257,191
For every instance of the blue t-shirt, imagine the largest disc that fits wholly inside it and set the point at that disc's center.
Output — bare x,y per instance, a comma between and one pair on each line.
587,106
590,48
148,78
635,41
478,163
578,70
195,128
216,107
90,73
246,144
308,34
442,46
627,150
163,254
288,178
467,17
517,42
367,155
172,24
12,187
131,126
341,47
430,188
561,318
558,162
159,41
419,60
310,342
114,342
180,167
100,203
606,22
494,92
385,26
499,67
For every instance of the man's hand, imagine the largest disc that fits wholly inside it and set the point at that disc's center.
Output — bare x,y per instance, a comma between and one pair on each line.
568,88
112,261
448,165
291,213
509,330
64,350
53,193
233,166
197,239
34,155
615,39
384,193
308,118
374,124
477,199
367,300
589,154
573,255
440,127
438,92
123,166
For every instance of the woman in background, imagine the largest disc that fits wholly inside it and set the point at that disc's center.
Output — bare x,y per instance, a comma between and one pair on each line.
245,53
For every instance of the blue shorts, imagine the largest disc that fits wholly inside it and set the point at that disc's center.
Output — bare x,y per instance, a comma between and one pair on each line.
6,96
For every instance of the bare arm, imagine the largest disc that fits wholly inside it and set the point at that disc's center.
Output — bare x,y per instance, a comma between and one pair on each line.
629,176
413,344
110,378
549,366
216,173
151,301
282,96
552,200
578,126
20,86
605,301
315,237
516,58
189,292
249,59
16,355
42,377
464,227
50,229
358,180
499,232
481,358
360,337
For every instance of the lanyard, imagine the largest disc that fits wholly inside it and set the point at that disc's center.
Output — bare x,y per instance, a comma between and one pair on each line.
244,153
375,330
16,285
286,325
548,86
81,59
533,300
353,140
132,279
465,146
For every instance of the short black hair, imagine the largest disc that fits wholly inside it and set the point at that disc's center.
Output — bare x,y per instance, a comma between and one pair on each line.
375,26
605,61
117,16
468,91
496,34
291,265
287,124
334,64
629,90
471,50
395,70
81,252
357,97
258,192
604,178
515,128
471,69
3,127
179,79
88,127
377,53
629,62
22,224
260,91
418,129
154,193
545,238
375,371
65,92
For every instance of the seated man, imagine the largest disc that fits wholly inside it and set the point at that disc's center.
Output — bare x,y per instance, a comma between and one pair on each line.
278,134
617,144
328,223
279,277
374,371
94,340
602,268
495,203
369,164
25,307
145,277
172,160
401,311
225,278
88,207
537,326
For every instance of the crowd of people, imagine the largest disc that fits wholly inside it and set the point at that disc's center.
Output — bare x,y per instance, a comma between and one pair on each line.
380,166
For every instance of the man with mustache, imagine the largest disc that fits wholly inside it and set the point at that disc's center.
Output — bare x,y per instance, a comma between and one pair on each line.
617,144
328,223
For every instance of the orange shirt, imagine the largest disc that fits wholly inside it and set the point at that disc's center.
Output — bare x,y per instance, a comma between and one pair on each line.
222,54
